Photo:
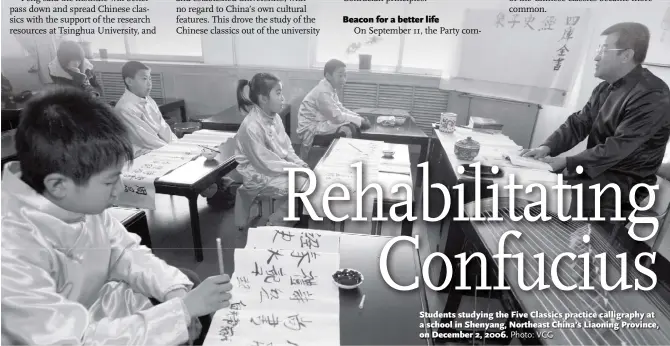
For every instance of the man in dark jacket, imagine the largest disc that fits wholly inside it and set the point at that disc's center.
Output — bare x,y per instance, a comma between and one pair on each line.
626,120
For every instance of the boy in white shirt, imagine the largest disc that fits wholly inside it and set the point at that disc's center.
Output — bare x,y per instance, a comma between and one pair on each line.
322,113
147,129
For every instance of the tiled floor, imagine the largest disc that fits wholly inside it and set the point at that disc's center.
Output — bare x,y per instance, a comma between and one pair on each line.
170,230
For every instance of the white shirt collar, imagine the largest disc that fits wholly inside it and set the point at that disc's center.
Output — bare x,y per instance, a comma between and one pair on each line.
131,97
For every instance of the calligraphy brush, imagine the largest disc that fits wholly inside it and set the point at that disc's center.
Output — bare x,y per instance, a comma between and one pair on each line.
202,146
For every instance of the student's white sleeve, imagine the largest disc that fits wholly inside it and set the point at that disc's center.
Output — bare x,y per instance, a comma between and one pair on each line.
140,134
284,138
330,109
34,313
138,266
165,131
251,144
345,110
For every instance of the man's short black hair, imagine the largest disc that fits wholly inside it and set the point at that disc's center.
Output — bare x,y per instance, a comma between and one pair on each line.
633,36
130,69
332,65
68,131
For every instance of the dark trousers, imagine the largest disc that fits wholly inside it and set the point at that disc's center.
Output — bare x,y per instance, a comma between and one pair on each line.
608,204
206,320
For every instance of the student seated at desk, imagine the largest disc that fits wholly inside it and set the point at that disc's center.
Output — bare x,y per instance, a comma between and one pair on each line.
71,68
263,149
71,273
147,129
626,120
322,113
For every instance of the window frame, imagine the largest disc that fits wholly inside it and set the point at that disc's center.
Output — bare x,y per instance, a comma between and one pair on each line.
129,55
398,68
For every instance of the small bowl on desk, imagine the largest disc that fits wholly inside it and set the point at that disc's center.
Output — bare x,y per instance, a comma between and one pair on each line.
180,129
467,149
388,154
347,279
209,155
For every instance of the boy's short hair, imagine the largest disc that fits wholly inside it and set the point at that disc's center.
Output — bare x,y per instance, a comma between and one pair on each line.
332,65
130,69
68,131
69,51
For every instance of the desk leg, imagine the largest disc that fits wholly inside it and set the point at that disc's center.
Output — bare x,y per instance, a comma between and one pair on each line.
304,217
406,228
195,227
423,156
182,111
453,245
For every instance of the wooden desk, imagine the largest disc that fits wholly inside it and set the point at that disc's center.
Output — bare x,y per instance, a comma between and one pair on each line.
190,180
135,221
231,119
407,133
386,179
389,317
553,238
172,104
11,115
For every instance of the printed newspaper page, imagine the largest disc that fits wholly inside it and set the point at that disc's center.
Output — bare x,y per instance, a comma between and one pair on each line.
358,172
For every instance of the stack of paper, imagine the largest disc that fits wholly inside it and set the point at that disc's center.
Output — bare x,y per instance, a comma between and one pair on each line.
337,169
283,291
139,177
529,163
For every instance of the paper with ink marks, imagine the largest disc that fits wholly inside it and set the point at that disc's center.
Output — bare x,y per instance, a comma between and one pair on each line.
266,237
138,179
280,297
337,179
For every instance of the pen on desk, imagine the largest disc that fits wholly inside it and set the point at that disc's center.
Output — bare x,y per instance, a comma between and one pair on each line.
360,306
208,148
359,150
220,251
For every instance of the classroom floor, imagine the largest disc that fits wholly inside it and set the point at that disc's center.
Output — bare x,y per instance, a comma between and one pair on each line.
171,236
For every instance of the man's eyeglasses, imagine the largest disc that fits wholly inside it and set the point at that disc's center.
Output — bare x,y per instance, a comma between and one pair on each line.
602,49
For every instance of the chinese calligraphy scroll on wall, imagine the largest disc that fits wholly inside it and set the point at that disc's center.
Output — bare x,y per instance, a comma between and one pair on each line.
282,294
530,57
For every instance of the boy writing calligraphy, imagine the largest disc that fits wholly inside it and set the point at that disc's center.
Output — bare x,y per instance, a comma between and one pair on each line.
71,274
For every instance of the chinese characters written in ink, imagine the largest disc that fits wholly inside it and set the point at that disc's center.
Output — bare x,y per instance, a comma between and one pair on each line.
271,294
568,34
304,256
272,274
304,279
308,240
243,282
230,321
295,322
543,24
140,190
301,296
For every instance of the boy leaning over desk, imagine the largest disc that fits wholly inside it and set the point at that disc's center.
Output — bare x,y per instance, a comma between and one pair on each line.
72,274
